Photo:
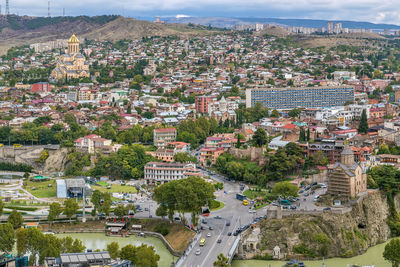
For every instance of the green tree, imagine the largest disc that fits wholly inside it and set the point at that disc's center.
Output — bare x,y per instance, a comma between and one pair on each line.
294,113
392,252
184,157
54,211
260,138
162,211
1,206
363,126
70,245
185,195
120,211
7,237
302,136
70,208
221,261
275,113
22,236
142,256
239,137
129,109
146,256
113,249
16,219
285,189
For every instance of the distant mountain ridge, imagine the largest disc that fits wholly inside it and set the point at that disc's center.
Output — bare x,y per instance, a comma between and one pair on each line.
25,30
311,23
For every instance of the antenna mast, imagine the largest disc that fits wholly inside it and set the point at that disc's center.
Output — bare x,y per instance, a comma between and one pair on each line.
7,8
48,9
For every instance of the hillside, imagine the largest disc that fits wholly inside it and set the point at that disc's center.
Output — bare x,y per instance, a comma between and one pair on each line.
327,234
312,23
274,31
25,30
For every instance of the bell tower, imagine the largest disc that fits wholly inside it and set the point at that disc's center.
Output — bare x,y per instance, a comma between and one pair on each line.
347,156
73,45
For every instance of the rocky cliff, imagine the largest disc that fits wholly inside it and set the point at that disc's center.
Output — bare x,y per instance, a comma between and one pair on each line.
326,234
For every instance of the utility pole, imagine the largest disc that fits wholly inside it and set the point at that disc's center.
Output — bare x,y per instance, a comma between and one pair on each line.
48,9
7,8
84,202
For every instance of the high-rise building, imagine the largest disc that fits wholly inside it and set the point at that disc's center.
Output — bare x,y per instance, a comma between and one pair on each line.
201,103
330,27
295,97
338,28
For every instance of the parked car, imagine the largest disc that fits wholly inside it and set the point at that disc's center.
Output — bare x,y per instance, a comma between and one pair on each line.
198,251
327,209
211,228
252,211
209,235
219,241
204,221
217,217
292,207
229,233
228,223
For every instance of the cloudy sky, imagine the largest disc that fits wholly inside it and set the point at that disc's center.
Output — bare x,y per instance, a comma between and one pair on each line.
377,11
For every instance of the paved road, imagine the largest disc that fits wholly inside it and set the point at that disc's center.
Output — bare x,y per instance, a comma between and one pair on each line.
234,212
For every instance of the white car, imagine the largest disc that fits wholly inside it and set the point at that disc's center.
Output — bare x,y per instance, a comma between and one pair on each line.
198,251
252,211
209,235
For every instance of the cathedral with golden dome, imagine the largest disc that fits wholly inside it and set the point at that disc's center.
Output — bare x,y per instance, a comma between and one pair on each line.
71,65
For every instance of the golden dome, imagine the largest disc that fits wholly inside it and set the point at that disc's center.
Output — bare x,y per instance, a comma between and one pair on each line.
73,39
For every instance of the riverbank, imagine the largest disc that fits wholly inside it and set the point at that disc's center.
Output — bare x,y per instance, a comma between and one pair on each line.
178,237
99,241
373,256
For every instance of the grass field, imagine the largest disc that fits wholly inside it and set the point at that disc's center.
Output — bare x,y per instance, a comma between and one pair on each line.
42,189
216,205
115,188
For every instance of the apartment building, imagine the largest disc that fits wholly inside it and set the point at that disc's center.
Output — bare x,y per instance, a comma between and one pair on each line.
162,172
164,136
305,97
201,104
210,155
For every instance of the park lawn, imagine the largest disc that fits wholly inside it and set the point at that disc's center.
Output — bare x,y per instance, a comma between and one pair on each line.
42,188
115,188
216,205
254,194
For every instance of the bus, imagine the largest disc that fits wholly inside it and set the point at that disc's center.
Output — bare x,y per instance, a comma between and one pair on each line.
245,202
202,242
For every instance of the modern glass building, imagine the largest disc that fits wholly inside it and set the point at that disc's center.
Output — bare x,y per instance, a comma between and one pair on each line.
300,97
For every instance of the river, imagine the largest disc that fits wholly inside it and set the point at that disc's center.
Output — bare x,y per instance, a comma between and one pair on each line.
99,241
373,256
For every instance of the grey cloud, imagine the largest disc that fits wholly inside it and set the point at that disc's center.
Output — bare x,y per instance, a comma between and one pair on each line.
382,11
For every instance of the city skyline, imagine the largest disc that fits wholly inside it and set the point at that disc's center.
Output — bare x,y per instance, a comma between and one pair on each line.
370,11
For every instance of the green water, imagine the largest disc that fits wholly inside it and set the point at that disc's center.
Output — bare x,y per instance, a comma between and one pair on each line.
372,257
99,241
